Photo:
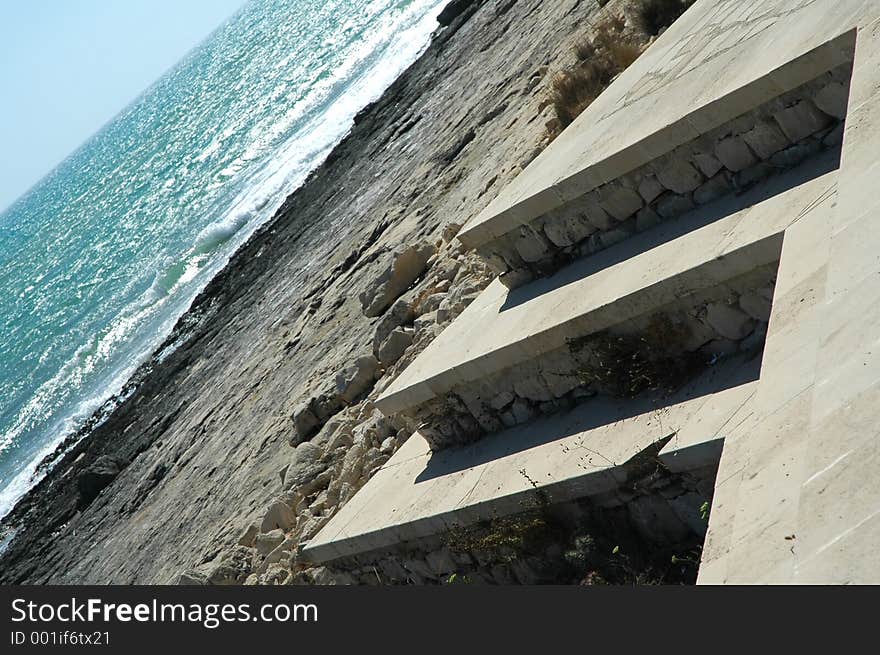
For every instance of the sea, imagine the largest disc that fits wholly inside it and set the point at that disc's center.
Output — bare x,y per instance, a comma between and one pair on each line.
101,257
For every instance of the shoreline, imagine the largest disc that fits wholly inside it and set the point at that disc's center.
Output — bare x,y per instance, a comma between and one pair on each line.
181,330
257,336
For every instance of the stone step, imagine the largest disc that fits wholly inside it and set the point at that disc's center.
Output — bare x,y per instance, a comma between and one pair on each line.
697,289
566,205
584,453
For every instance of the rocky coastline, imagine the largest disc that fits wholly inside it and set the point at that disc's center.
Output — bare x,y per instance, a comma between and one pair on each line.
254,421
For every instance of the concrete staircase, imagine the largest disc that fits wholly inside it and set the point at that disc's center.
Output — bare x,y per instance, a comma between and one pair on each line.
666,272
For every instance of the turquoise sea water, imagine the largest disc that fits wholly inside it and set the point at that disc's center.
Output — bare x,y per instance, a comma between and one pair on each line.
100,258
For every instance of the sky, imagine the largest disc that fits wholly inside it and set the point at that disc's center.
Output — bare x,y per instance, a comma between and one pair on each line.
68,66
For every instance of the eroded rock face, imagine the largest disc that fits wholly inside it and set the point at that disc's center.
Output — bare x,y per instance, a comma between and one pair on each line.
406,265
453,10
95,478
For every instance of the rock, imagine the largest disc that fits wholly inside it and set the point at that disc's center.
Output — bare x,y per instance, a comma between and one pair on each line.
755,305
305,465
521,411
646,218
679,176
341,439
452,11
794,155
249,535
652,517
801,120
567,227
713,189
530,245
450,231
502,400
352,465
619,201
832,99
418,567
431,303
394,346
671,205
192,577
834,136
532,387
650,188
401,313
357,379
305,423
765,139
754,174
425,321
730,322
388,445
441,562
406,265
267,542
96,477
232,568
277,516
392,570
708,164
310,526
448,310
321,575
734,153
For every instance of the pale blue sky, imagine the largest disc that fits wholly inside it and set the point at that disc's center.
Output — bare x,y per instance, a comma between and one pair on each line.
69,66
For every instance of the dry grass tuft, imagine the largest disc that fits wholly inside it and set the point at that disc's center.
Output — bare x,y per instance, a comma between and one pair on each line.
599,60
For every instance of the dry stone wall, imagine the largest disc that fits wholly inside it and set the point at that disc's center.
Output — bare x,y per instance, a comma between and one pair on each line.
730,159
649,531
655,352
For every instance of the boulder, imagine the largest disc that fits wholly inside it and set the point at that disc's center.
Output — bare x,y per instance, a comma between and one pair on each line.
278,516
395,345
232,567
96,477
192,577
267,542
406,265
304,465
357,379
401,313
425,321
450,231
249,535
452,11
431,303
305,423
